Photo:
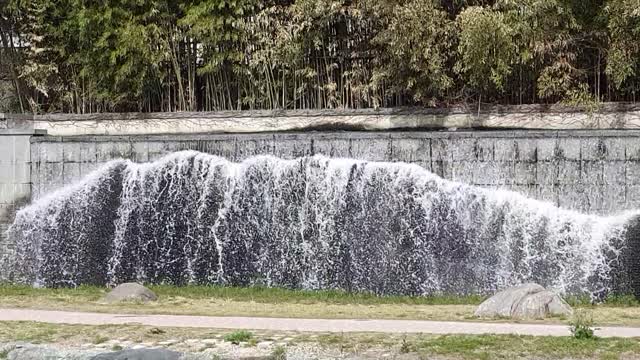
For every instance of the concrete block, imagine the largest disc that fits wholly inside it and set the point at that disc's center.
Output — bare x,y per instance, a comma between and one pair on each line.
293,148
7,155
247,148
603,149
157,150
22,193
546,173
51,152
6,173
613,199
524,173
546,149
371,149
7,213
616,149
633,196
50,175
332,148
442,169
72,152
614,172
568,149
71,173
88,168
411,150
424,164
527,149
48,188
34,152
484,149
548,193
107,151
22,149
21,173
502,172
529,191
222,148
568,172
6,194
592,172
632,149
463,149
440,150
573,197
463,171
592,148
633,172
140,151
89,152
505,149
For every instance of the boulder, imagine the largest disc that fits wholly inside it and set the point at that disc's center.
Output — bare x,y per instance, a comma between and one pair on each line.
130,292
140,354
528,301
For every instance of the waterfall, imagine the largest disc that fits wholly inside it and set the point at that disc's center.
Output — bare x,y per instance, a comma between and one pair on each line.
307,223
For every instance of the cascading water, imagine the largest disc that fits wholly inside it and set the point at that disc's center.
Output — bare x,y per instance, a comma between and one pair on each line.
312,223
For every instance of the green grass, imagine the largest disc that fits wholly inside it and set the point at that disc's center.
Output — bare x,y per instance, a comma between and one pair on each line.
414,345
269,302
510,346
239,336
256,294
270,295
279,353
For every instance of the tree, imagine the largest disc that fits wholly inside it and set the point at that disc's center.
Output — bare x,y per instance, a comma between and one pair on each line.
487,53
418,45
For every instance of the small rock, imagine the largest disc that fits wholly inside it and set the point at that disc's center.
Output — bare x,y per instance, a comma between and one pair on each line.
528,301
130,292
264,345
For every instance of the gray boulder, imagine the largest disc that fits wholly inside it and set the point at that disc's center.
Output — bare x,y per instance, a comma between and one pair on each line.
140,354
129,292
528,301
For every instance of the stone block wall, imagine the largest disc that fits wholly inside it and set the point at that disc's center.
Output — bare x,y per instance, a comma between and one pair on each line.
15,178
586,170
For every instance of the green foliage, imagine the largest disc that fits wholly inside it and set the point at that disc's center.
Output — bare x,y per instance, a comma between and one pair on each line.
279,353
486,49
624,29
158,55
581,325
239,336
417,45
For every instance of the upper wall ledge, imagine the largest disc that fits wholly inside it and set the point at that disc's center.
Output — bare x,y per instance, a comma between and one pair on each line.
544,117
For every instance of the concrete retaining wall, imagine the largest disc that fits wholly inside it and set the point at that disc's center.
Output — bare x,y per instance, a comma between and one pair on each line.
15,176
606,116
589,171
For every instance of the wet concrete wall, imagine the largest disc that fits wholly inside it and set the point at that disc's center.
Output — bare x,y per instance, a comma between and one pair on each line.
586,170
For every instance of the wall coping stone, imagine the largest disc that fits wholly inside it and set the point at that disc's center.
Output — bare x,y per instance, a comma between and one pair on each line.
533,117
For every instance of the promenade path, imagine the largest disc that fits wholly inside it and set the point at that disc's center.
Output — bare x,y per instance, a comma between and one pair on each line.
304,325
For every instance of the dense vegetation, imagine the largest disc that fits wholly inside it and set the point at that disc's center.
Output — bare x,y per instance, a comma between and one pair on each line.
157,55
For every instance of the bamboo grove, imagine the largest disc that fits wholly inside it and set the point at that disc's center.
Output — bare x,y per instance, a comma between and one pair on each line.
83,56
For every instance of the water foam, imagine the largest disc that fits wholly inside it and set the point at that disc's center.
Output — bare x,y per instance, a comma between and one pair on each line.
312,223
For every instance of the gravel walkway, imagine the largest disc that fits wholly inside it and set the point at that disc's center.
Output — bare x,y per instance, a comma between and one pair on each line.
304,325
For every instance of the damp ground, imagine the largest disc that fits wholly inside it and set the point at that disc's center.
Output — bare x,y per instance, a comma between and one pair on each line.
263,302
224,344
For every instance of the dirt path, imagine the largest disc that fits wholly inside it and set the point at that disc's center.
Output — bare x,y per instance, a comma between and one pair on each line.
304,325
